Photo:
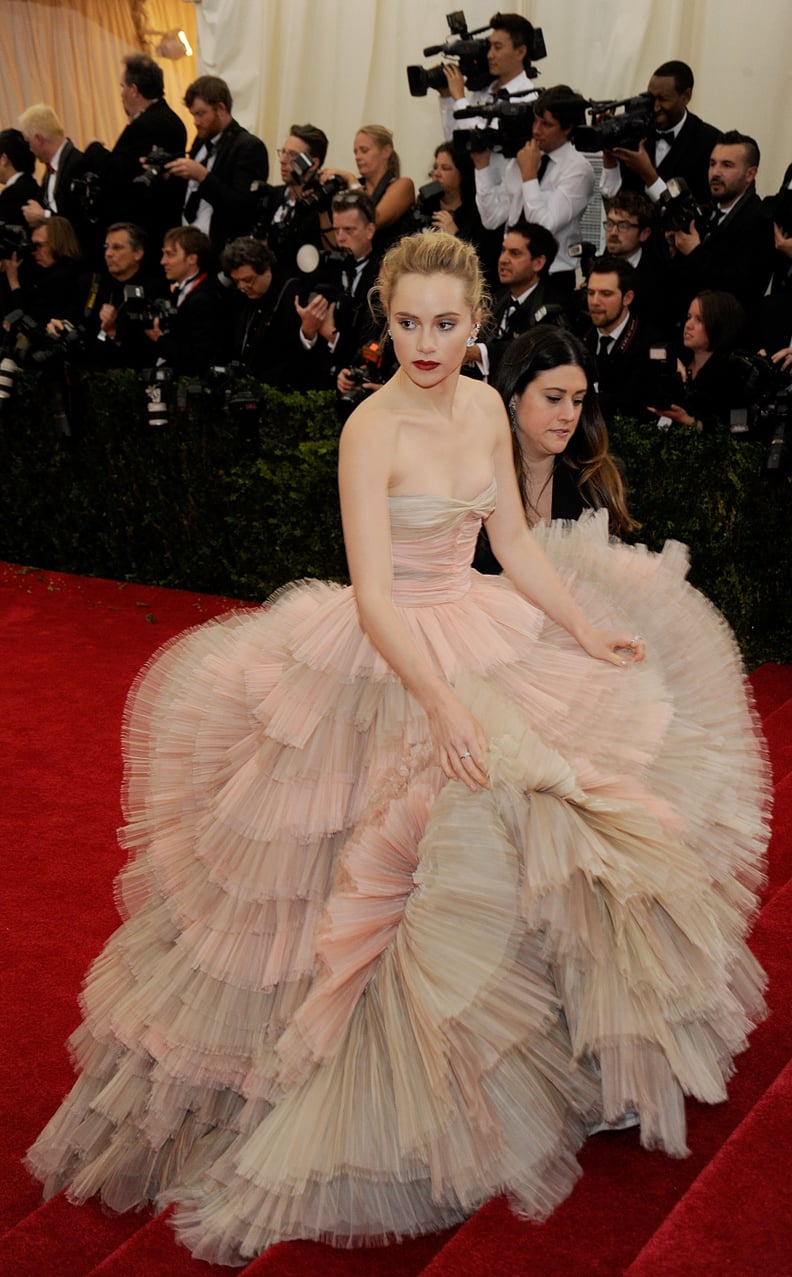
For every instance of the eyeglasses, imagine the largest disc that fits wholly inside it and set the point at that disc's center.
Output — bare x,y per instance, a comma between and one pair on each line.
292,155
620,226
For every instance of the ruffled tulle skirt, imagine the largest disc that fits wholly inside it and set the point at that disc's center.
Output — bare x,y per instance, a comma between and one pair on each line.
351,1001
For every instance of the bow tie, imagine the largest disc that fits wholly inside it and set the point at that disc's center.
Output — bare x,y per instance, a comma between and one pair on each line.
665,137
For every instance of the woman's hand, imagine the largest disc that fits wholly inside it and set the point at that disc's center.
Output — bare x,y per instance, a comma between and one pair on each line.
443,221
460,744
614,646
676,413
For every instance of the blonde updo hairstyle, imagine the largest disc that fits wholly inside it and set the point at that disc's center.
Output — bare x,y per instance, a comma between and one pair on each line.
433,253
383,138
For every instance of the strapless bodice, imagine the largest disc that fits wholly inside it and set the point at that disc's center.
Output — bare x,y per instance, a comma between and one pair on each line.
433,540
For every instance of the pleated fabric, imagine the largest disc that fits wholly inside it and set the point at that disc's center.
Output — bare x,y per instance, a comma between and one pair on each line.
351,1001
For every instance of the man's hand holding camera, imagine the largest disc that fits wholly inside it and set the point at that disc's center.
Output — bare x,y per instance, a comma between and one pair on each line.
317,318
455,80
683,242
189,169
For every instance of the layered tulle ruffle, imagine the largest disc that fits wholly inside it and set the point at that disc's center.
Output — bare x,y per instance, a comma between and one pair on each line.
350,1001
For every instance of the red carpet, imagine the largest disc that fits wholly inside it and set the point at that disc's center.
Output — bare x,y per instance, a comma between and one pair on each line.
70,648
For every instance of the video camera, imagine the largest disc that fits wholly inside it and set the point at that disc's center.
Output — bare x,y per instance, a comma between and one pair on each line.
471,57
509,125
622,122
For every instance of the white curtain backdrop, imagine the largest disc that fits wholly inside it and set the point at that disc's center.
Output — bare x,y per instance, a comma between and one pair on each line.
341,63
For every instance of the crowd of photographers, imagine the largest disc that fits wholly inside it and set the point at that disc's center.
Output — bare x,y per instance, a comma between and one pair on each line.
175,261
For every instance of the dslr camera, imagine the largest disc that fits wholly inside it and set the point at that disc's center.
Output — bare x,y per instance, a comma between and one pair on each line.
140,311
678,207
768,417
13,239
154,170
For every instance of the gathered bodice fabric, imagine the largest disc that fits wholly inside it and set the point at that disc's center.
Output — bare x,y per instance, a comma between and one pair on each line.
350,1000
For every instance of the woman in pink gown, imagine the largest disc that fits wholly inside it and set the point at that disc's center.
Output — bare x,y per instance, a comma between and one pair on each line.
432,875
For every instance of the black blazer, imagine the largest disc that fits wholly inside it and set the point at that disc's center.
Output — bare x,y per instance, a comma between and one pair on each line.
13,197
265,335
241,161
71,166
198,336
155,208
737,257
542,306
627,376
688,157
567,502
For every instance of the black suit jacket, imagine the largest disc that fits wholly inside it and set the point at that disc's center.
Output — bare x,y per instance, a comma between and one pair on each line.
737,257
13,197
198,335
69,204
542,306
627,375
241,162
156,208
688,157
265,335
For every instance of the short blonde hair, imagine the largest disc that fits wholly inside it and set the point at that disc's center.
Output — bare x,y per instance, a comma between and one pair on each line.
432,253
41,119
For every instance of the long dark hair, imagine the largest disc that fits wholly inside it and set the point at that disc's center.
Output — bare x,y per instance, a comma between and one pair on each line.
596,475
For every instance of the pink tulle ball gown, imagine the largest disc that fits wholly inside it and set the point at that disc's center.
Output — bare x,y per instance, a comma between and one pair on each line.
350,1000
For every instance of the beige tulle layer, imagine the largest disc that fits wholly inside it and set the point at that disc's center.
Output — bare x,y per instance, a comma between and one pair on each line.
350,1001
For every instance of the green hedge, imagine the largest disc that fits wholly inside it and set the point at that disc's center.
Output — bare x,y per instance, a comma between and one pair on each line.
239,502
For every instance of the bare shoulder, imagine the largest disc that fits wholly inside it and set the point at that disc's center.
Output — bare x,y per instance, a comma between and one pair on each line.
482,403
371,428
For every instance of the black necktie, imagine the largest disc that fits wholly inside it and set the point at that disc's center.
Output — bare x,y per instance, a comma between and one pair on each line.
506,317
543,163
604,346
193,200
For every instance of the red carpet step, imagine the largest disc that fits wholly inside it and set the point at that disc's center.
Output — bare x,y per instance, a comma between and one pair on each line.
737,1217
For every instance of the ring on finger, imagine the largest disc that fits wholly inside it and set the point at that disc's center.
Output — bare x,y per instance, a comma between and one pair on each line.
467,754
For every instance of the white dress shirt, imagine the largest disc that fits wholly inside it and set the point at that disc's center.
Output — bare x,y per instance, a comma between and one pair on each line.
557,203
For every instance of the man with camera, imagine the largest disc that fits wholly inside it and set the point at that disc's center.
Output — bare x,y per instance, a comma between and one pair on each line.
152,123
291,214
632,356
336,325
731,246
677,145
225,168
263,320
191,333
526,297
630,226
547,181
59,192
508,54
113,339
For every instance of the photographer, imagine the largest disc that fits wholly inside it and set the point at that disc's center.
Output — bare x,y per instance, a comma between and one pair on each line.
630,353
333,332
192,334
677,145
47,283
113,338
509,43
152,123
225,166
733,251
548,181
17,165
64,165
263,321
715,322
379,169
294,212
630,226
